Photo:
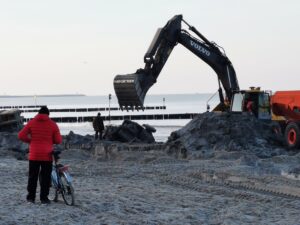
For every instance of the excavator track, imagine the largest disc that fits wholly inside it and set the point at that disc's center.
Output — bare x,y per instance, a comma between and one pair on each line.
196,179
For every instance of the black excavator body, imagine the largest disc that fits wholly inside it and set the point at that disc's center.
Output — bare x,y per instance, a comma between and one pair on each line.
131,89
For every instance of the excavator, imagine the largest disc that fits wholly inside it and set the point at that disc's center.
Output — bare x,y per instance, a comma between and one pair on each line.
131,89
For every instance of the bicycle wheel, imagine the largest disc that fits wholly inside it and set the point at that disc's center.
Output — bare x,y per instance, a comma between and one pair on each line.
53,193
67,190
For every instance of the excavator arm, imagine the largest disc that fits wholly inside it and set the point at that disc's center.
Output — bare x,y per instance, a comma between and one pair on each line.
131,89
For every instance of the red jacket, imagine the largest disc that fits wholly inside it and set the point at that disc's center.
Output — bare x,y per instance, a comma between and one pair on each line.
41,133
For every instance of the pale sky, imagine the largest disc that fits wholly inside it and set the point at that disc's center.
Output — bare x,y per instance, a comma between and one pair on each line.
78,46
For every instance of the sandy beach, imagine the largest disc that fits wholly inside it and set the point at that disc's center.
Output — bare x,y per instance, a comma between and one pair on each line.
196,103
151,187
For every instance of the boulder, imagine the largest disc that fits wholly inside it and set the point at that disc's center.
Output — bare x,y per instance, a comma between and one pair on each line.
130,132
77,141
10,141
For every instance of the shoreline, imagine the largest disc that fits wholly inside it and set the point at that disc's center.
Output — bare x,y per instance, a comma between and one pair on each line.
32,96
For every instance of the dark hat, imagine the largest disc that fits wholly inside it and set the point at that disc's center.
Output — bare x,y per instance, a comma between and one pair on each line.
99,114
44,110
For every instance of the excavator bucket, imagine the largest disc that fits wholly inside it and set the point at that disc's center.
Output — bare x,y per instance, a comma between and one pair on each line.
131,90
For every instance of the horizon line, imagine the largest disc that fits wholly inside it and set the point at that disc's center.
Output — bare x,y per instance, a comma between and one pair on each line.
72,95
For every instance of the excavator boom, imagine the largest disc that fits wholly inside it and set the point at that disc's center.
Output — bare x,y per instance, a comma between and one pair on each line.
131,89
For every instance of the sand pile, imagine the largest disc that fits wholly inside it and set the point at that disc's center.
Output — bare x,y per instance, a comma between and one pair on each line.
209,133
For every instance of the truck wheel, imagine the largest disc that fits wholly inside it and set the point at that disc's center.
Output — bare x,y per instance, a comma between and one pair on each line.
292,135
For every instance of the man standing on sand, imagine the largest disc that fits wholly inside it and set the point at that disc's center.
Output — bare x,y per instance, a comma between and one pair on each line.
98,126
41,133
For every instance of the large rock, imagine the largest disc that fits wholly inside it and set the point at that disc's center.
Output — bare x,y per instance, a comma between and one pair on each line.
10,141
77,141
11,120
10,145
130,132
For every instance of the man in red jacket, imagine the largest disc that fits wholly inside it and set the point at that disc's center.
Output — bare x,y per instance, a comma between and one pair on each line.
41,133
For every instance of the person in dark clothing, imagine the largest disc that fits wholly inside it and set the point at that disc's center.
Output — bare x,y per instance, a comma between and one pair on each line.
41,133
98,126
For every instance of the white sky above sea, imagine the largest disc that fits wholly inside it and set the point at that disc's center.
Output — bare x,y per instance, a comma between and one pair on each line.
78,46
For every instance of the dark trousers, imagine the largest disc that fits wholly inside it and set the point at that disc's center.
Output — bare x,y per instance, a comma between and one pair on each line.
39,170
100,134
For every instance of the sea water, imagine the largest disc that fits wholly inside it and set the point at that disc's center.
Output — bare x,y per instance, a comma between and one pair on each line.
175,104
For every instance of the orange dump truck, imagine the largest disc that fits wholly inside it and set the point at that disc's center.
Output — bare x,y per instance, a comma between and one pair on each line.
286,111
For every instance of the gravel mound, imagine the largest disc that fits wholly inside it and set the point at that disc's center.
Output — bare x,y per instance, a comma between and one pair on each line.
209,133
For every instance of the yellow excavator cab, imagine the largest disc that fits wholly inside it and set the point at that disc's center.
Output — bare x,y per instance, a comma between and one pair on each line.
253,101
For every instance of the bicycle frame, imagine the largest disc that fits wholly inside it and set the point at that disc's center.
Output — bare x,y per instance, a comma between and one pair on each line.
59,170
62,181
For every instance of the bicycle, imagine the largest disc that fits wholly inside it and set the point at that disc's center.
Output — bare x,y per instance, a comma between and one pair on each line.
61,182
